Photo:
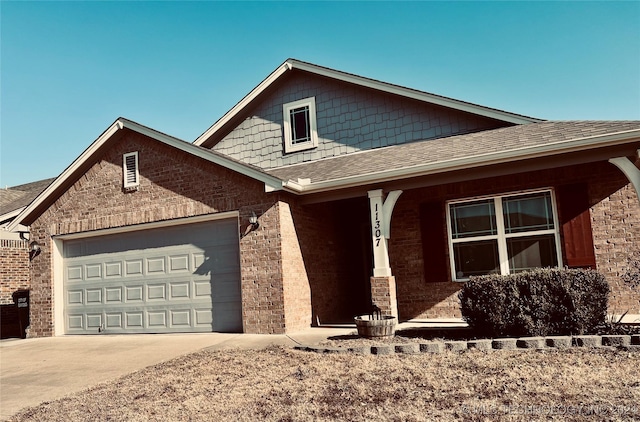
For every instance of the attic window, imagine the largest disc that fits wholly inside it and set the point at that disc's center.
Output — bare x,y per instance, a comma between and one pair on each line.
300,127
130,170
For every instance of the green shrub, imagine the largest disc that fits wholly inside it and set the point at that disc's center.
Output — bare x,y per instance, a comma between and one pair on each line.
535,303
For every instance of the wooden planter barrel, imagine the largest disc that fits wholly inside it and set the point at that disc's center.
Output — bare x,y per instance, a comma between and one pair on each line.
375,328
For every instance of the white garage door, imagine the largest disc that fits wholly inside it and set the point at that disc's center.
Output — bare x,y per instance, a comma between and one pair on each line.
182,278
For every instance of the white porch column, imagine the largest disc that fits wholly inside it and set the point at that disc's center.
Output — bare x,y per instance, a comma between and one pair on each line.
380,229
630,170
383,284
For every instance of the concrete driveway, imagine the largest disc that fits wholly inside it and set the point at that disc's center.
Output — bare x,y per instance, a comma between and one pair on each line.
44,369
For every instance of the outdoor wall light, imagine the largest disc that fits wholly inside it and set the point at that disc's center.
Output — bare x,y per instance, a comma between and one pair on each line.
253,221
34,249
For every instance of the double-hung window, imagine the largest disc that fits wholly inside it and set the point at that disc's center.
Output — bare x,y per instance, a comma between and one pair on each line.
300,127
503,235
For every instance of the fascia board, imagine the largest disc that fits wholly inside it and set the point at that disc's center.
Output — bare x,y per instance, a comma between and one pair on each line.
271,183
539,151
414,94
243,103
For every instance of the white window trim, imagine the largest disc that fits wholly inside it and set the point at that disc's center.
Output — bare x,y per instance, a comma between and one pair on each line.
127,184
501,236
288,141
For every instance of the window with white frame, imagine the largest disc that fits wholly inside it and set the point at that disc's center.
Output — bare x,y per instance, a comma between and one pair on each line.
503,234
131,176
300,127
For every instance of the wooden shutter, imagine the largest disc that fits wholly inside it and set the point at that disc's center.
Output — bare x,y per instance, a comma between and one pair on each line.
434,242
575,220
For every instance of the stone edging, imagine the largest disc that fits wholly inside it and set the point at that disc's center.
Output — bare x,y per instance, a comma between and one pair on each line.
434,346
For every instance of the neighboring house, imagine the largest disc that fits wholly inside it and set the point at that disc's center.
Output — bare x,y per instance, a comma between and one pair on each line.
318,193
14,254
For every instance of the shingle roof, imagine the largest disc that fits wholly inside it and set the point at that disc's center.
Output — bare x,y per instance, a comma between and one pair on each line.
451,148
17,197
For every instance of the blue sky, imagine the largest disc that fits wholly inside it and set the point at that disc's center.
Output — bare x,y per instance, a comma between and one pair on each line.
69,69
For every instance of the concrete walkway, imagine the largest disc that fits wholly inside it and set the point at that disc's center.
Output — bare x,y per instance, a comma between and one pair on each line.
44,369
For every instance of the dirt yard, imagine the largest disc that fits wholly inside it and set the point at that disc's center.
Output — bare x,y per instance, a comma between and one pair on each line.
280,384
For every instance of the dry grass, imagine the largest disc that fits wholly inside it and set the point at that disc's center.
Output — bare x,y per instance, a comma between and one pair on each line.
280,384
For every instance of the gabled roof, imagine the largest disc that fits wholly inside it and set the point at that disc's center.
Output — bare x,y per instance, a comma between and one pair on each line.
57,187
498,146
292,64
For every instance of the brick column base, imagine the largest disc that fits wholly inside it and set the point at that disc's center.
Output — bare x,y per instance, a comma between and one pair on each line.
383,295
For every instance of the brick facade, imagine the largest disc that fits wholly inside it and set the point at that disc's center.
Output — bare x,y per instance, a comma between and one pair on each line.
14,280
14,268
383,295
616,235
297,293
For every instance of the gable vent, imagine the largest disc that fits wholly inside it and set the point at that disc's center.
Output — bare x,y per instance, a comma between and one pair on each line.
130,170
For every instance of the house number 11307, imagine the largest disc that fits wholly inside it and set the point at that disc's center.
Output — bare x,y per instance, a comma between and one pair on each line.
377,232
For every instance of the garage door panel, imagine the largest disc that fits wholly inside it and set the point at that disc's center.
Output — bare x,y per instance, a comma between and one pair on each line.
93,296
75,297
157,319
113,269
202,289
113,295
155,265
134,320
156,292
93,271
166,287
134,293
180,317
94,321
179,291
114,321
75,322
74,273
179,263
133,267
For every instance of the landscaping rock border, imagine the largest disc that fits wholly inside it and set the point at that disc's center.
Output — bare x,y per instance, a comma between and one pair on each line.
523,343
